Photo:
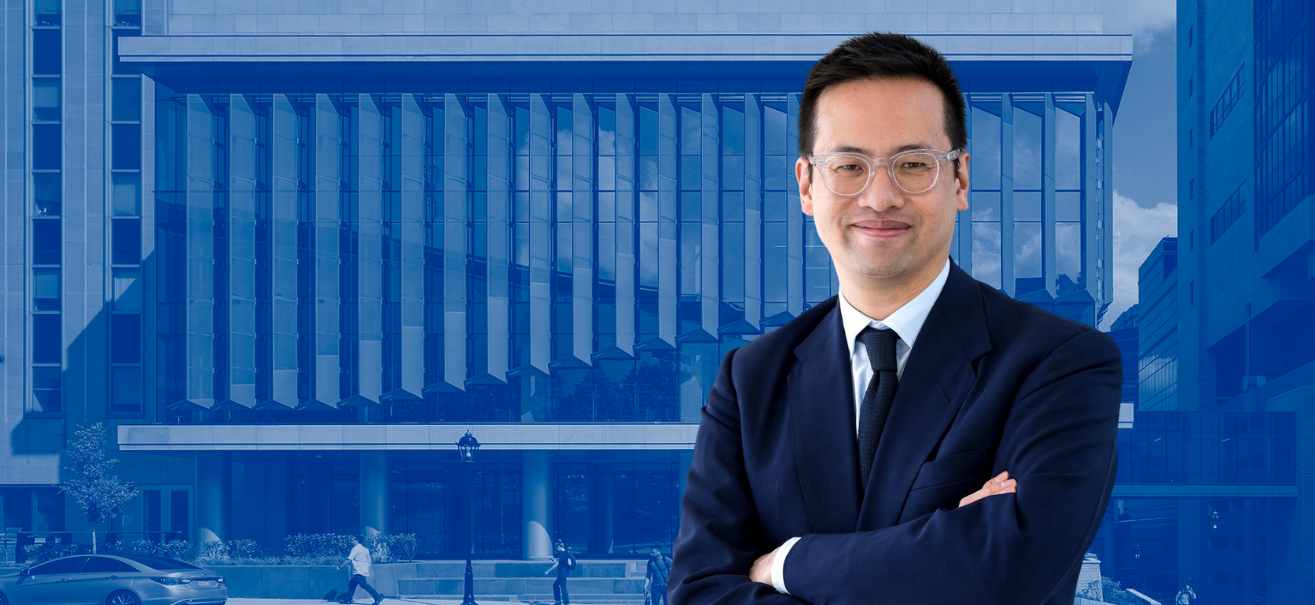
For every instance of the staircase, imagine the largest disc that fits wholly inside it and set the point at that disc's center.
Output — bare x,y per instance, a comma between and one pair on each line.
591,582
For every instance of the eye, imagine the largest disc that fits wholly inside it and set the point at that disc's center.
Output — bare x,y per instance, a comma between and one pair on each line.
848,167
912,165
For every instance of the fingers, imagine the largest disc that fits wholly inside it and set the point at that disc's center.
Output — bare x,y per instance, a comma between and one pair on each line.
999,484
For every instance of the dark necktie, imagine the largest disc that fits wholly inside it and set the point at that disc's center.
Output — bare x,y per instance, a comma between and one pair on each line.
880,395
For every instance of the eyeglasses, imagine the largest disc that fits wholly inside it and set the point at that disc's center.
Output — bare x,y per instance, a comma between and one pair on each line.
913,171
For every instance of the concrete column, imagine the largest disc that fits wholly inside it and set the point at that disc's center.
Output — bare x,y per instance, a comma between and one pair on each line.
214,481
601,510
537,499
375,475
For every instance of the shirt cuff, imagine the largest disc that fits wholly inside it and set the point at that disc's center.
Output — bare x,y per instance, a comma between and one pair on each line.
778,566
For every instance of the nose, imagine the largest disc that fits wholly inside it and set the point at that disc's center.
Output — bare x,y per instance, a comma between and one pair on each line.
882,192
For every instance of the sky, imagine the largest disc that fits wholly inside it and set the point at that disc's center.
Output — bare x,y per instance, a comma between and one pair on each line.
1145,149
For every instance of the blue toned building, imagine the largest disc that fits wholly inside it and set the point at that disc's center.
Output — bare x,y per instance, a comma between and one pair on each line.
1236,343
1124,332
1157,352
292,257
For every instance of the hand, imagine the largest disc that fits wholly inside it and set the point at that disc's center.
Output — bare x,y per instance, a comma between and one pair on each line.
999,484
762,568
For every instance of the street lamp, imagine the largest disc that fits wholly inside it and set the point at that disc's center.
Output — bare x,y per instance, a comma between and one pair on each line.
467,447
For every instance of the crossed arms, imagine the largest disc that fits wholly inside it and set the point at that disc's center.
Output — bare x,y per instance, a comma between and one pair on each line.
1017,548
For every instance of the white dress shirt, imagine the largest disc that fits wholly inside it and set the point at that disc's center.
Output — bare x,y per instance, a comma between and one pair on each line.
907,322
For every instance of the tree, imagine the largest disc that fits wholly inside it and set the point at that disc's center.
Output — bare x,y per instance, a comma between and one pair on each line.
100,494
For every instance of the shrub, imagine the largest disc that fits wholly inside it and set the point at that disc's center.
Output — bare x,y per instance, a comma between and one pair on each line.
245,549
142,547
176,549
213,550
404,546
317,549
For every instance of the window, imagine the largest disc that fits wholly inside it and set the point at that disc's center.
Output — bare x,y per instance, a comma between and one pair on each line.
125,338
46,340
46,389
1191,140
1189,37
47,57
48,191
1227,101
45,99
127,242
127,146
1191,189
127,99
126,199
45,242
46,146
58,566
106,564
126,392
127,289
1227,214
128,13
1190,87
45,289
47,12
1191,293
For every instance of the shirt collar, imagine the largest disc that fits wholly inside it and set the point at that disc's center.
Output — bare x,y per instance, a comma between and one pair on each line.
906,321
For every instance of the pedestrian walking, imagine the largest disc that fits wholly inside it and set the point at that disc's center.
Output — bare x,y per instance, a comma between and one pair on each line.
564,563
655,581
359,560
1186,596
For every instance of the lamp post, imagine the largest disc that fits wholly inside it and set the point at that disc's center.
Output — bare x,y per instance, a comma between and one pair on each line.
467,447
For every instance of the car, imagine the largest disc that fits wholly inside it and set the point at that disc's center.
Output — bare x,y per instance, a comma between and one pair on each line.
113,580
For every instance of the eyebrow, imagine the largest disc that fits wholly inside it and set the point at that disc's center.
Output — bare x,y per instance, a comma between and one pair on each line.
901,148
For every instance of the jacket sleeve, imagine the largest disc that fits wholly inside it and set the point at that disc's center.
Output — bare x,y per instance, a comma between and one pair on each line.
1058,441
719,527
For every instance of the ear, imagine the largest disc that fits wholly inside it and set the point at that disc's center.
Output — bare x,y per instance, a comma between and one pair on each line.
961,183
801,174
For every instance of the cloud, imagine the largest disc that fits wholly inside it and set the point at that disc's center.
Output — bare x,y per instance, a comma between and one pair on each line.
1150,21
1136,232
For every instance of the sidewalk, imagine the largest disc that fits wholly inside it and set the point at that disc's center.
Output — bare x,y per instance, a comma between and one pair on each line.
387,601
361,601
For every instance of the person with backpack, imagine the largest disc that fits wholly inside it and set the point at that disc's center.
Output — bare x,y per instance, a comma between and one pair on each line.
564,563
655,581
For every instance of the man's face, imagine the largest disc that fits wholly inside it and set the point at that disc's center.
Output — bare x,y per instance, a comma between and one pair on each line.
884,233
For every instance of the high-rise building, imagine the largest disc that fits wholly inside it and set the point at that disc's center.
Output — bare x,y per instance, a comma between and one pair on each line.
1220,455
1157,362
1124,332
291,252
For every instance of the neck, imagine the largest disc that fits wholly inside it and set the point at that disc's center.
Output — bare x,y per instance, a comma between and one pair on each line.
878,298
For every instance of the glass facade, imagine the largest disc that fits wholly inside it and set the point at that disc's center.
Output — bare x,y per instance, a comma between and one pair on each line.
557,257
1282,109
1203,448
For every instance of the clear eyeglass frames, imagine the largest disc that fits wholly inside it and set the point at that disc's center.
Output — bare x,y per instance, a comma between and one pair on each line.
913,171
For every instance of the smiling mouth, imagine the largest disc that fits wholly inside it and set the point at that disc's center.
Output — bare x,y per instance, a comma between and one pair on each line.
891,231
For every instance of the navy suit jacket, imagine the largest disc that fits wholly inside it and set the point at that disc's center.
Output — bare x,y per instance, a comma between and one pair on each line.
992,384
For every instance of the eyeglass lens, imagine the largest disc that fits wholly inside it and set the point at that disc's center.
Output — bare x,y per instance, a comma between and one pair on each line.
849,175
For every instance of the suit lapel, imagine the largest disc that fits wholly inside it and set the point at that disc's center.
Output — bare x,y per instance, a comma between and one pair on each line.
936,378
821,403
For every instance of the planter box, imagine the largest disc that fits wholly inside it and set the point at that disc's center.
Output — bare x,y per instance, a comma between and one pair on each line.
298,581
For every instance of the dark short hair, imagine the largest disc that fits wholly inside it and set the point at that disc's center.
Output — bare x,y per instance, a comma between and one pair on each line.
880,56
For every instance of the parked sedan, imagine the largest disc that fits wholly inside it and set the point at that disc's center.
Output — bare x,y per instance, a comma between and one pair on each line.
113,580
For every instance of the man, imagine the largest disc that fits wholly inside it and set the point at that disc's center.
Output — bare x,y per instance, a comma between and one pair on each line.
838,455
359,560
655,580
563,562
